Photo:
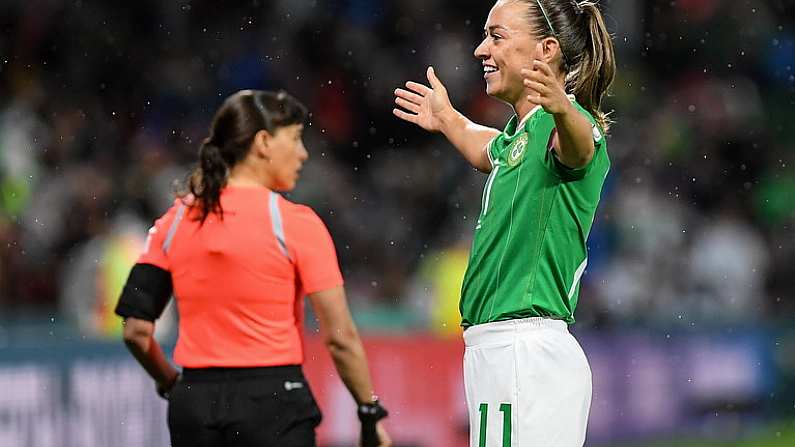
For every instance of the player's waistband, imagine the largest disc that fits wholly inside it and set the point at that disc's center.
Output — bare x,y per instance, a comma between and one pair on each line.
222,374
503,331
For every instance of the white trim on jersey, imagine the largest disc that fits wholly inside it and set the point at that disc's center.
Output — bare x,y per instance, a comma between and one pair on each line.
488,150
577,276
487,191
527,117
276,223
534,110
173,229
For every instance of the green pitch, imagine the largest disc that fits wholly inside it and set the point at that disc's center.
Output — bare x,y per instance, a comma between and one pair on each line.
778,435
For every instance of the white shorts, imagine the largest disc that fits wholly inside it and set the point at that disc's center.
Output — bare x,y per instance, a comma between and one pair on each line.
528,384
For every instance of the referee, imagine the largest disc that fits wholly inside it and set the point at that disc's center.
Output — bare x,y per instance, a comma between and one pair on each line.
239,258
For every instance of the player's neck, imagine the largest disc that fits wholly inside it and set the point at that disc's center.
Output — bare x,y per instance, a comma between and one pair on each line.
523,109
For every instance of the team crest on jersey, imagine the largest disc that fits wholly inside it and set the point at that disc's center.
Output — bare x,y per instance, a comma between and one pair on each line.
517,149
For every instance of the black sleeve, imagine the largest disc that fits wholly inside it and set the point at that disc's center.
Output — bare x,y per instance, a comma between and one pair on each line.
146,293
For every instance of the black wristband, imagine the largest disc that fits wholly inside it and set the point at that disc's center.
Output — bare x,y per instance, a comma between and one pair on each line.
371,413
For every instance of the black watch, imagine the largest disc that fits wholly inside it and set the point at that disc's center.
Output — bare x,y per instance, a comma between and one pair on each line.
371,413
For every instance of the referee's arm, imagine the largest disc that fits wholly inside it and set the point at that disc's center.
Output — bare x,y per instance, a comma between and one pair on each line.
142,301
139,338
342,340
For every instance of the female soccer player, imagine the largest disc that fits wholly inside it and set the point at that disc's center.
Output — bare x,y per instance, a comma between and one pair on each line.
239,258
528,382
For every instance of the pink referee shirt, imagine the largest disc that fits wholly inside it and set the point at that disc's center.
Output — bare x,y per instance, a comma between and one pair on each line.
239,282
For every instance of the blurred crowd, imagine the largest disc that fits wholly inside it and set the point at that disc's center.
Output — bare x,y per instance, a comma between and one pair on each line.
103,106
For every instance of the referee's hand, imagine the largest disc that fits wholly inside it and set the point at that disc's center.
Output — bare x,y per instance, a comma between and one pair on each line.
164,389
374,436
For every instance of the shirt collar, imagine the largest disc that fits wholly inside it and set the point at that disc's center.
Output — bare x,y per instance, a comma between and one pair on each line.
535,109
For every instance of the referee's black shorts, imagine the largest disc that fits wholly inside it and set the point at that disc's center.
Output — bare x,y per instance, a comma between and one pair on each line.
262,407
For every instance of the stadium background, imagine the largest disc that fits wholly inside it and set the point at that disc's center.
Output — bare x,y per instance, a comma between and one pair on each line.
687,309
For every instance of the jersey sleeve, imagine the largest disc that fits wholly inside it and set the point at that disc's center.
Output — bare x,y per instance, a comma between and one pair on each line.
160,236
491,150
149,286
551,160
315,258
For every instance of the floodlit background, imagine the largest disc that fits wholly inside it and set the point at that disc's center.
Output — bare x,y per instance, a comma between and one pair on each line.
686,310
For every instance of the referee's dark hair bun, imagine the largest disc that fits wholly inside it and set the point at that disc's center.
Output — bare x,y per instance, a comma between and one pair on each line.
231,132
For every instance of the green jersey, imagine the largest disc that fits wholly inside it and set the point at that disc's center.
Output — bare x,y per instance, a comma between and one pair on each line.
529,252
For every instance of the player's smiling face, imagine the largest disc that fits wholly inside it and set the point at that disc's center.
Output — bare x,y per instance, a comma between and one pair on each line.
507,47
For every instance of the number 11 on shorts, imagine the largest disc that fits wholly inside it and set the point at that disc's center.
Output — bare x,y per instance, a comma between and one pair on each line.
505,409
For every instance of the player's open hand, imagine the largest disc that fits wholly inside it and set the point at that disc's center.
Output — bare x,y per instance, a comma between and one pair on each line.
544,89
423,105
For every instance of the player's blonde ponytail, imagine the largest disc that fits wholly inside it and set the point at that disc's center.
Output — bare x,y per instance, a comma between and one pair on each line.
586,46
594,74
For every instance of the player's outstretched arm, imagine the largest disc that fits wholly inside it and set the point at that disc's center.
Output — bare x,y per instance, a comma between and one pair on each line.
430,108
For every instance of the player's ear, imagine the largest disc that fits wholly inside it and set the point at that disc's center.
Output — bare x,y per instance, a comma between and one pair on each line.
550,50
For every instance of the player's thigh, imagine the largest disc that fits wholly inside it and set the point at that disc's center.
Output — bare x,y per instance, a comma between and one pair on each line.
554,390
490,380
190,408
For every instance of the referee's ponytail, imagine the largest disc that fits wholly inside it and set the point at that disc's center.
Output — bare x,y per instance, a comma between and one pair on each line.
232,131
208,179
